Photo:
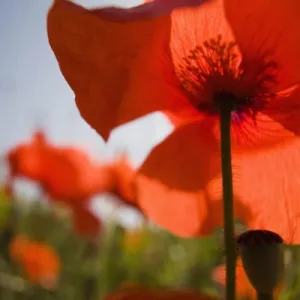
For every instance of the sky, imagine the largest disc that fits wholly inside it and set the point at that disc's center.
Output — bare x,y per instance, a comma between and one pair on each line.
33,93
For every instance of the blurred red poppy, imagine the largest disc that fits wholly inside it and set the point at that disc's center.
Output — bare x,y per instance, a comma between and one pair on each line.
69,176
184,59
39,261
125,182
66,175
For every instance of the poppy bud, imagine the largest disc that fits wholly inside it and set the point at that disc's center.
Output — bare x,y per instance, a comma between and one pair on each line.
262,256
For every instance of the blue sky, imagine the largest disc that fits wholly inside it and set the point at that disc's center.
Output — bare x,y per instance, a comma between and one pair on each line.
32,90
34,93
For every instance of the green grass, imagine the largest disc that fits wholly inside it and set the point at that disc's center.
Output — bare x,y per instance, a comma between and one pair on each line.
154,258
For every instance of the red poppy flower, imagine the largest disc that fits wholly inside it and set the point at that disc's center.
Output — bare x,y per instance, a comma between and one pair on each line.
120,182
85,222
39,261
69,176
124,187
65,173
25,159
184,60
18,246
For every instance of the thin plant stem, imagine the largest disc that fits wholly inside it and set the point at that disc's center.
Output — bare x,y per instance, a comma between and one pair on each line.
229,236
90,288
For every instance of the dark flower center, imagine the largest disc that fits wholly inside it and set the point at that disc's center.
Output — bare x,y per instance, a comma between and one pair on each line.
214,72
259,237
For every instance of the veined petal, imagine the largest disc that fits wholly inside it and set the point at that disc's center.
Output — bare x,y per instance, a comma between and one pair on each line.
276,123
268,182
191,27
117,61
171,184
268,28
242,211
285,110
261,132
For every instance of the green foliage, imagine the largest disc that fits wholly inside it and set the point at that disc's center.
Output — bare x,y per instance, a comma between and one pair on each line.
150,257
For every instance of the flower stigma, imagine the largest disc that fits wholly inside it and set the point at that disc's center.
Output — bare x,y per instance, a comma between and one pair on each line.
215,72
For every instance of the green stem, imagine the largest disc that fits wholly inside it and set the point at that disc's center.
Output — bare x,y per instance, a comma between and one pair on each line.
229,236
90,288
264,296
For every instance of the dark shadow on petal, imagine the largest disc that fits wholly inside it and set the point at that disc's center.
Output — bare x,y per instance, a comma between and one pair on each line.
215,217
285,109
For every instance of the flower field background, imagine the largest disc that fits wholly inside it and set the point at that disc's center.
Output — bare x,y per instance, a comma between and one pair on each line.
119,260
222,79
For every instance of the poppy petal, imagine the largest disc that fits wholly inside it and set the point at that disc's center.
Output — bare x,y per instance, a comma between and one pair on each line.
274,197
215,216
191,27
125,181
179,212
40,262
180,159
285,110
268,28
150,9
171,181
85,222
244,288
261,132
18,246
277,122
117,61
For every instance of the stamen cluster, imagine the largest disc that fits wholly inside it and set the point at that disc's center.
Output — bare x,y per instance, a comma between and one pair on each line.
215,72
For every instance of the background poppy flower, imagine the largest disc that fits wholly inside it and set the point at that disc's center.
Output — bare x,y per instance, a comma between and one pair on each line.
39,261
69,176
124,187
85,222
17,247
25,159
120,184
65,174
190,60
